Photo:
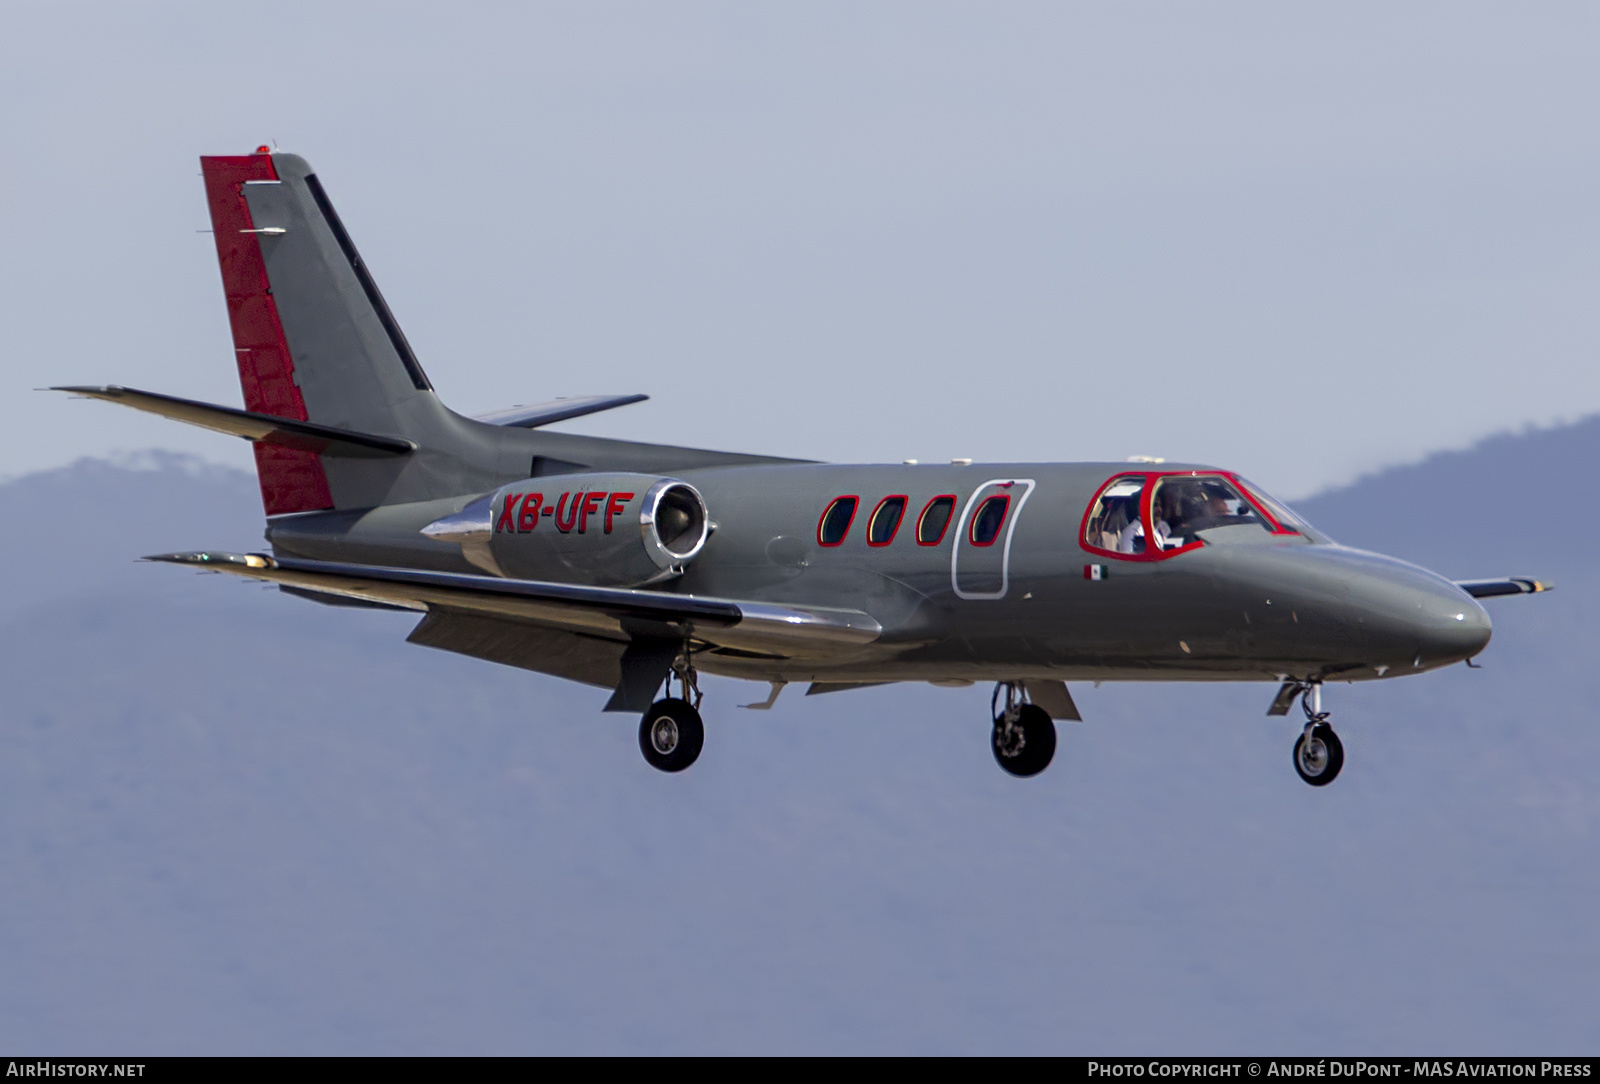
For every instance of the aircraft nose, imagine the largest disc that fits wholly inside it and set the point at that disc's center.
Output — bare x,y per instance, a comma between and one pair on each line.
1450,626
1428,618
1356,609
1398,617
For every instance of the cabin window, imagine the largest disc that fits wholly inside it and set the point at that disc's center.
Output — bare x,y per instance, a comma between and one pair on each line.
934,520
987,520
1187,509
1114,522
885,520
835,522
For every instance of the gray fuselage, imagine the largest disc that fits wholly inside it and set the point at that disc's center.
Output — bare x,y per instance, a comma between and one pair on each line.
1034,603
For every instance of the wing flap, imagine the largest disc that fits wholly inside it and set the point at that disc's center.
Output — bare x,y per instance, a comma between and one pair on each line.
621,614
514,643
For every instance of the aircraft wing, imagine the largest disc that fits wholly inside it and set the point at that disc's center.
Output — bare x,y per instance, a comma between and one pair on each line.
1515,585
621,615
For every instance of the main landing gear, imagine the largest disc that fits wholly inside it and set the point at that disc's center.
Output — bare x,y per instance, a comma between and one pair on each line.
1318,753
1024,738
671,733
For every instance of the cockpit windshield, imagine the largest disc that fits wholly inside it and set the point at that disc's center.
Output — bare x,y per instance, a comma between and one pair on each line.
1184,509
1156,514
1273,507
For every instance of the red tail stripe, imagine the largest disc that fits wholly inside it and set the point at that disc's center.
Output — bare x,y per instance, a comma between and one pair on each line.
291,480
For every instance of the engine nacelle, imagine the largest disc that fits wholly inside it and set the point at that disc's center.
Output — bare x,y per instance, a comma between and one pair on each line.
604,530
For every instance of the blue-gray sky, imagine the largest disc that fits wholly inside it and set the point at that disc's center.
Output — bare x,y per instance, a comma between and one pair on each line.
1299,240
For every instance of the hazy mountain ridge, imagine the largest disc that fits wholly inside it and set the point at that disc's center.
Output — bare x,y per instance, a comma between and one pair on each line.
235,821
1510,497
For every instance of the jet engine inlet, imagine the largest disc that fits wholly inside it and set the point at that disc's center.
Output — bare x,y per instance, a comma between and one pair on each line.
674,523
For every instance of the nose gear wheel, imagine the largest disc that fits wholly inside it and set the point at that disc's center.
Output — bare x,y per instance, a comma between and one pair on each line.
1318,752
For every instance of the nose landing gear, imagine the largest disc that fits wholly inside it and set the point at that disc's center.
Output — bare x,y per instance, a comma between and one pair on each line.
1318,753
671,733
1024,738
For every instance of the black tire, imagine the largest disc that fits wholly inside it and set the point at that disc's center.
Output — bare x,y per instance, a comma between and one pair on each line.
671,735
1319,767
1028,748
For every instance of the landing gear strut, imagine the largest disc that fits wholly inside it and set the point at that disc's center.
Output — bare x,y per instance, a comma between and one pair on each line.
1024,738
671,733
1318,753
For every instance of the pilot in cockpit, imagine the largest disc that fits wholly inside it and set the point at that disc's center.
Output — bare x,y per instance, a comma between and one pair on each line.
1185,508
1211,511
1130,538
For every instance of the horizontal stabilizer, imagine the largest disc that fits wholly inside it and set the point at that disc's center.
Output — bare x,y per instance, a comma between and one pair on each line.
260,428
616,613
557,410
1516,585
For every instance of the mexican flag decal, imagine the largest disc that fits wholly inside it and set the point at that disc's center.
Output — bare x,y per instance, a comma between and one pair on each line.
1094,572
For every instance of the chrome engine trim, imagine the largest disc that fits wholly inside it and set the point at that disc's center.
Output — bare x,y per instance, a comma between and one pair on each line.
666,558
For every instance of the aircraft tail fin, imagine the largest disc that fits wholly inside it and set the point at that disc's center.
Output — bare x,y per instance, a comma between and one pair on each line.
314,340
337,406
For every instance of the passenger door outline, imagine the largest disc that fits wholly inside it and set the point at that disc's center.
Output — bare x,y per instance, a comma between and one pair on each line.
962,541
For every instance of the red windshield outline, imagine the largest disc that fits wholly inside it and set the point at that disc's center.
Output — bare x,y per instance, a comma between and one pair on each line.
1257,503
1146,499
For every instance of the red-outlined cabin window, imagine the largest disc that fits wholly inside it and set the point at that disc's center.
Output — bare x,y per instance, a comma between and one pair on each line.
1152,515
836,520
935,519
884,522
988,519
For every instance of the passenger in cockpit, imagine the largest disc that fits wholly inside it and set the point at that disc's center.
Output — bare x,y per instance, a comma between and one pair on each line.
1124,527
1131,539
1108,527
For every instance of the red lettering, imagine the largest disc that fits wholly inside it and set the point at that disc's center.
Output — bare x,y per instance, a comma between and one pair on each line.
591,505
506,512
614,505
571,514
528,518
